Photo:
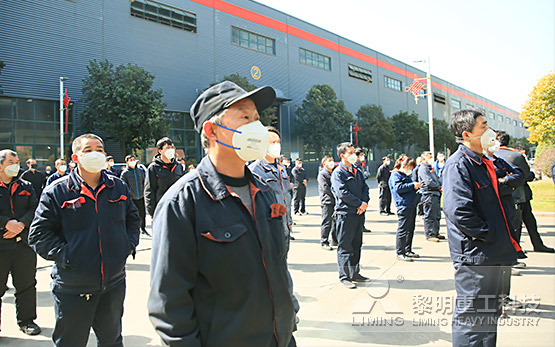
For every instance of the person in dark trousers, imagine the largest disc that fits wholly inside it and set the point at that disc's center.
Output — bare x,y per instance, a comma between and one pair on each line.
382,176
327,203
134,176
360,165
218,273
479,234
522,194
430,197
299,187
87,224
404,190
61,170
439,164
415,178
37,178
351,201
18,202
162,173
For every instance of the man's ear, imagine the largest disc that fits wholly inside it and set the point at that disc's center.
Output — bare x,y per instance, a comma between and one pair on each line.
74,158
208,128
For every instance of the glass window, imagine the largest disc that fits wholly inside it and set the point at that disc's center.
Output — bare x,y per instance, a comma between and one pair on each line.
492,115
45,110
514,122
500,118
159,13
191,155
392,83
189,122
314,59
23,132
455,104
5,108
46,133
191,138
253,41
24,109
45,155
360,73
508,120
24,153
6,131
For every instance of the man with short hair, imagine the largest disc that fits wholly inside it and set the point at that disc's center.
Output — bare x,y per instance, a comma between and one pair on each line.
110,168
382,176
439,164
431,196
37,178
162,173
18,202
299,187
479,234
47,171
218,273
327,203
351,201
61,170
87,224
134,175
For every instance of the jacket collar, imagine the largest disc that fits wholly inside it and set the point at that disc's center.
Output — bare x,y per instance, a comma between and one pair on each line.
213,183
158,159
471,154
74,181
269,167
351,169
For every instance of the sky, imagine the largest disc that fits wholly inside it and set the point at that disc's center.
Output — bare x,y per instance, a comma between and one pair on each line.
498,49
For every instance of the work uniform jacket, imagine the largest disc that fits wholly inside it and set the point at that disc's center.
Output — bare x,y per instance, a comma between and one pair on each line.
349,188
479,231
402,190
382,176
159,177
135,180
88,233
324,187
512,178
17,201
299,175
219,275
430,181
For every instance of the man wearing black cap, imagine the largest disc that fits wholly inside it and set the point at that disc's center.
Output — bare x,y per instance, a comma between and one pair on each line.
218,272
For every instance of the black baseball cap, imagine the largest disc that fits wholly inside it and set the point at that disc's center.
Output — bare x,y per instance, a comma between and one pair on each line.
222,95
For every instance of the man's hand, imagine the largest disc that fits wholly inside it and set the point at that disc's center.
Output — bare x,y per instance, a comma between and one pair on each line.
362,208
292,185
13,228
417,185
304,182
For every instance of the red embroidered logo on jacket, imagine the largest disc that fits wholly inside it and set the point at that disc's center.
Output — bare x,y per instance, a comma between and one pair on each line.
278,210
24,192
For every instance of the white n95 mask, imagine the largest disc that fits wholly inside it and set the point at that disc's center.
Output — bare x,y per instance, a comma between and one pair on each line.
170,153
11,170
352,158
250,141
93,162
274,150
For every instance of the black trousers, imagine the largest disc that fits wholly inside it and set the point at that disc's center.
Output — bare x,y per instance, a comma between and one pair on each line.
75,315
524,214
299,194
142,211
21,262
328,225
385,198
405,229
349,237
432,214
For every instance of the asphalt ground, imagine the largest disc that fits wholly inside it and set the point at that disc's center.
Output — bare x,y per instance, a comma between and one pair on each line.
405,304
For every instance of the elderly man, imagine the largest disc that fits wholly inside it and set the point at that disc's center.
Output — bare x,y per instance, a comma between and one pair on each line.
218,272
61,170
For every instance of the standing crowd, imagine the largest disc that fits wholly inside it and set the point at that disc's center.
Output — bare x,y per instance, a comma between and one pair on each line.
221,231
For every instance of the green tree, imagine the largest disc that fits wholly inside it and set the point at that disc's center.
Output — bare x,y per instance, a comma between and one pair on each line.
538,112
523,141
323,119
122,103
410,131
375,129
2,64
268,116
443,136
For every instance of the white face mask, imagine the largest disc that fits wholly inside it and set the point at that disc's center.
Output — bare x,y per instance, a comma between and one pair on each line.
93,162
72,165
352,158
132,164
274,150
441,159
11,170
495,147
487,139
63,168
170,153
330,165
250,141
362,158
300,166
408,172
387,163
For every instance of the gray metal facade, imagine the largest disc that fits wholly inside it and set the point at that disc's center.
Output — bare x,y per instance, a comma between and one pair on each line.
43,40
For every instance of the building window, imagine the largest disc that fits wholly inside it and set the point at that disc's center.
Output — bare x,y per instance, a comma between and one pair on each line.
455,104
514,123
440,99
254,41
500,118
469,106
392,83
508,120
360,73
520,125
166,15
492,115
314,59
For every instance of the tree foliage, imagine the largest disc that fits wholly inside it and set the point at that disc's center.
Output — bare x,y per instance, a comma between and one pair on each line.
410,131
443,136
122,103
323,120
376,130
268,116
538,112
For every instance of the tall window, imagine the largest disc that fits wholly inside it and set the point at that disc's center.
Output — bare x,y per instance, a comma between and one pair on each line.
254,41
455,104
500,118
392,83
171,16
360,73
314,59
492,115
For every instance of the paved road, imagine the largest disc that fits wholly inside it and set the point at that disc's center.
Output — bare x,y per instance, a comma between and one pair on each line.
406,304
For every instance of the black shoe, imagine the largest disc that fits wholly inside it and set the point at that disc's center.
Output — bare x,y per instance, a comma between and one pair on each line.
292,238
360,278
30,328
544,249
333,243
391,213
521,255
144,232
348,284
327,247
367,230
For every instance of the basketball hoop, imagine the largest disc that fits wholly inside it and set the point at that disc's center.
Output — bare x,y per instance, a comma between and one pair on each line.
415,88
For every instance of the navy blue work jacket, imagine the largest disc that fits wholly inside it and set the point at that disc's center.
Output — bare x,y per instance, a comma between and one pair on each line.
324,187
88,234
349,188
18,201
219,275
402,190
477,229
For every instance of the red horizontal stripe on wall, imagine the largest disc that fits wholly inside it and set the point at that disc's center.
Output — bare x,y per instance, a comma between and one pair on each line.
258,18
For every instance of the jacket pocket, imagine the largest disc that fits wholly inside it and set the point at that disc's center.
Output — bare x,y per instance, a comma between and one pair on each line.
226,234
